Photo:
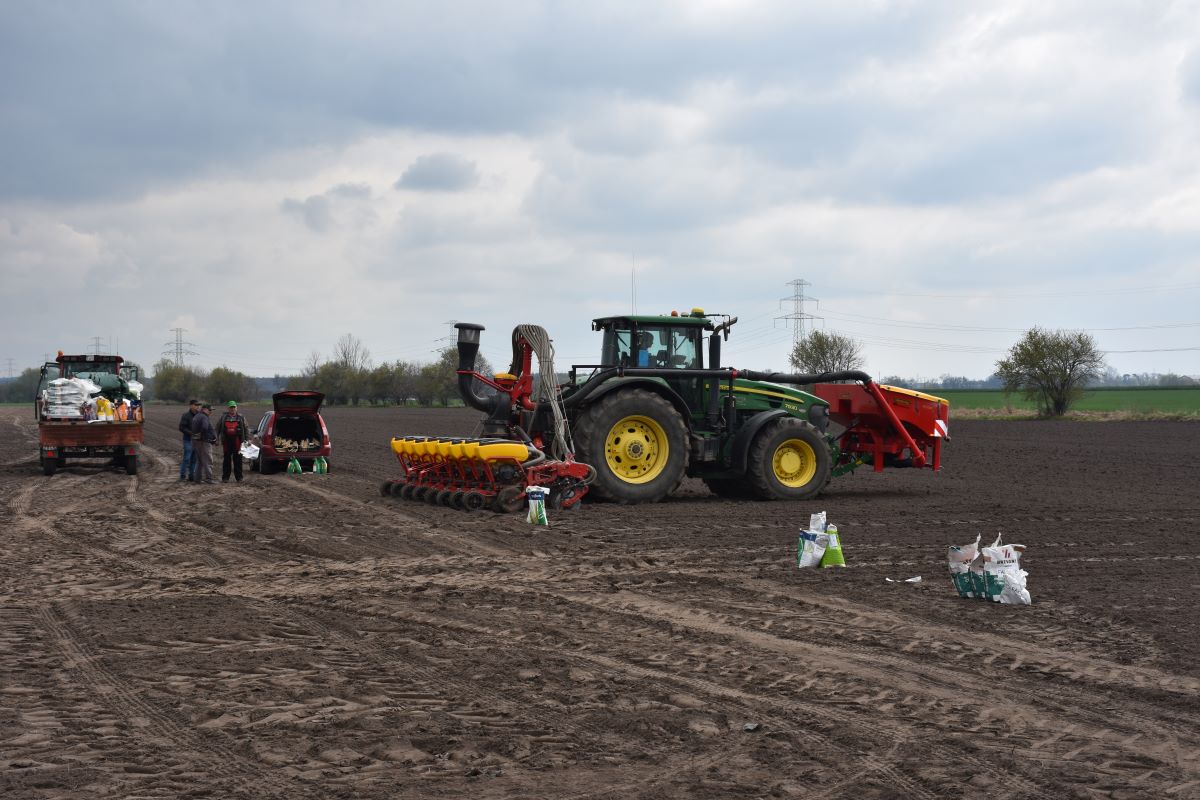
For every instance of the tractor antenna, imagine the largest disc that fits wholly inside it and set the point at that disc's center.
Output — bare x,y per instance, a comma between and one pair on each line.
633,280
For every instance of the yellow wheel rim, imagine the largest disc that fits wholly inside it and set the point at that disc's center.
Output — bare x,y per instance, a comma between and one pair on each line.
794,463
636,449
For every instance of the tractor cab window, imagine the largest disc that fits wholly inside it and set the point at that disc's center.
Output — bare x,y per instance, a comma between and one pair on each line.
651,347
616,348
685,349
75,368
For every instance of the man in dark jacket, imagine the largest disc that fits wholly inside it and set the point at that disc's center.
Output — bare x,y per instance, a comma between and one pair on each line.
203,438
187,467
232,428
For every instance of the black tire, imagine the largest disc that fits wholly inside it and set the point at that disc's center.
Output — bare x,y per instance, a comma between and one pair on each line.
473,501
131,465
508,500
789,460
266,466
418,493
730,488
406,492
49,466
443,497
654,445
386,488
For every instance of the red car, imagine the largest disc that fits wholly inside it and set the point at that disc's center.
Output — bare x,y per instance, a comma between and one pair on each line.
293,430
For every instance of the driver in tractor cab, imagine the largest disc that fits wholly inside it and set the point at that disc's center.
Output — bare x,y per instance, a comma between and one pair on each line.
644,357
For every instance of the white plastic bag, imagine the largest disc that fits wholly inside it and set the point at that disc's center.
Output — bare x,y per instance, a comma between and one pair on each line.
249,450
1004,578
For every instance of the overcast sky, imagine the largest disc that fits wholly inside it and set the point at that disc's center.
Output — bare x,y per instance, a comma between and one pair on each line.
269,176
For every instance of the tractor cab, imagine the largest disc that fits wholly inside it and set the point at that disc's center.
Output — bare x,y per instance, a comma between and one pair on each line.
658,342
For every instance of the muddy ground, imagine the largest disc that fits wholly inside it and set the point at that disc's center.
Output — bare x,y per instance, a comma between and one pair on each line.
304,637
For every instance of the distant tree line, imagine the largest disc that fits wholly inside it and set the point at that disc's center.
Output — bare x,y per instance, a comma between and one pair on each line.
348,377
177,384
1052,368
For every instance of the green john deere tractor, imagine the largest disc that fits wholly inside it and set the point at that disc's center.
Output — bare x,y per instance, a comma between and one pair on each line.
651,413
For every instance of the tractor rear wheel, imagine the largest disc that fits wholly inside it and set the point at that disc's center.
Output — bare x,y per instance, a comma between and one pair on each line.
49,466
636,442
789,460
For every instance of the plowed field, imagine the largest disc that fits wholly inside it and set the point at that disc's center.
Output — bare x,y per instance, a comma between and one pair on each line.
305,637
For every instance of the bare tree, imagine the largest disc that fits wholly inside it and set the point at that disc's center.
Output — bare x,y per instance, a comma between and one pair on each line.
826,352
1051,368
351,353
312,365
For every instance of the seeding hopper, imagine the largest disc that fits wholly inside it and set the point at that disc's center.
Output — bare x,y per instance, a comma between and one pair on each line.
631,427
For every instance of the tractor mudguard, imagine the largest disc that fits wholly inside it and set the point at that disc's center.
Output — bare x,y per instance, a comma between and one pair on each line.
666,392
745,436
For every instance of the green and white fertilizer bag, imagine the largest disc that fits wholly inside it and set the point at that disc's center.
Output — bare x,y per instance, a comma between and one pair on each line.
959,561
833,557
537,504
814,544
1003,576
989,573
810,549
294,467
320,466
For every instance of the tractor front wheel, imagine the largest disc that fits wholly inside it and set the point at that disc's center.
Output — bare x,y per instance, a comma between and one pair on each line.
637,443
789,460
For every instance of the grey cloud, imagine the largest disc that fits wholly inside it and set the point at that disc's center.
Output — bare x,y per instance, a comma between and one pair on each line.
351,191
314,211
1189,76
347,202
440,172
112,99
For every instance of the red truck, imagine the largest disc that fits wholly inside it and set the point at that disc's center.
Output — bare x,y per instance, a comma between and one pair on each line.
74,424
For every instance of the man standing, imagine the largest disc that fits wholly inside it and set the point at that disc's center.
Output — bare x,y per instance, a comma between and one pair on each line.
203,438
232,426
187,467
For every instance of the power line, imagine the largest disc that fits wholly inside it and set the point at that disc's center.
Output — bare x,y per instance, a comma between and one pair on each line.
179,348
1027,295
798,314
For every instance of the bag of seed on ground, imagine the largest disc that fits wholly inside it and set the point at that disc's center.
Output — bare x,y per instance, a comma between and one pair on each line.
959,561
810,548
1004,579
537,504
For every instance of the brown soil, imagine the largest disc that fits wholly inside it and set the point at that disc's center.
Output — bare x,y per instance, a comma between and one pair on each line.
302,636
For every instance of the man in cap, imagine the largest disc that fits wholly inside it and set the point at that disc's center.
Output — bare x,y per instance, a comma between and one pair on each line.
203,438
232,426
187,467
